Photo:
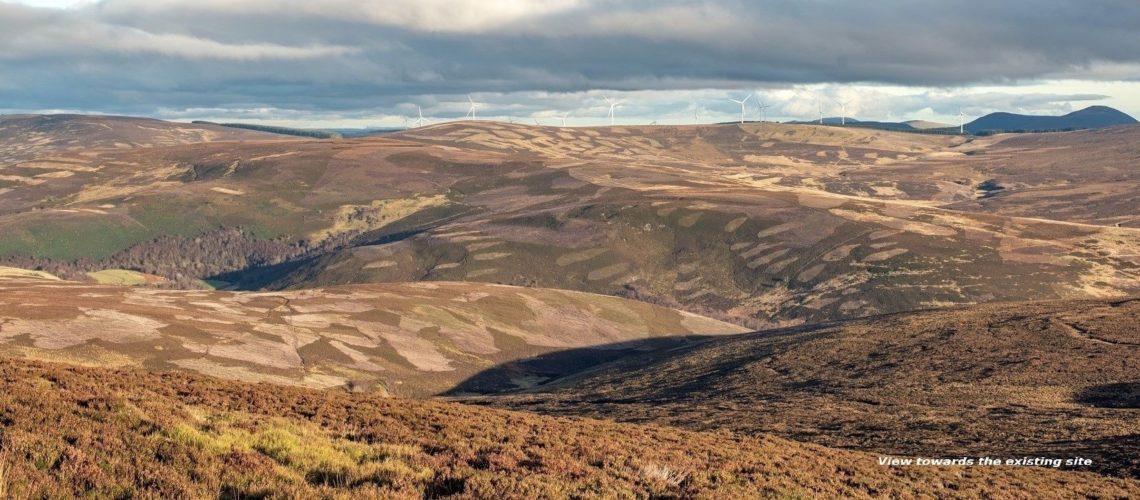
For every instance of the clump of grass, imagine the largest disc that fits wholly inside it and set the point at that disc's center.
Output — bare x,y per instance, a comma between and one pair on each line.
309,453
3,477
661,479
212,442
662,474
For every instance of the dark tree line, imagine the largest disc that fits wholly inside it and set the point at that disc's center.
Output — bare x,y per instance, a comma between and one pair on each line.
185,261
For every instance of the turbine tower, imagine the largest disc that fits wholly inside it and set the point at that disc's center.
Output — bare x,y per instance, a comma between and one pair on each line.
613,104
741,103
762,108
843,112
564,117
961,121
420,121
471,110
819,104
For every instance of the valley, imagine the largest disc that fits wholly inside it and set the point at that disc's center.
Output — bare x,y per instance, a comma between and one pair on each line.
762,225
474,306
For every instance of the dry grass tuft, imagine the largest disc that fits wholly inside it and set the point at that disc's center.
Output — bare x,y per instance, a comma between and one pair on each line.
3,477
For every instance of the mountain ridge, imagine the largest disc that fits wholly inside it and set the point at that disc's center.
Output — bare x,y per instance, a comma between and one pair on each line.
1091,117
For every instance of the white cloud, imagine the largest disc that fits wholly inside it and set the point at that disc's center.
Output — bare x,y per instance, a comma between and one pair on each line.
29,35
54,4
337,60
138,41
452,16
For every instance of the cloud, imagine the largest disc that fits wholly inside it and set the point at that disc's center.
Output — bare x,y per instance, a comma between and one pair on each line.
339,56
443,16
29,34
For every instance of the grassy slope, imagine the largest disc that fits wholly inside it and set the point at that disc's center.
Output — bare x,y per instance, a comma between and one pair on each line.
79,431
408,339
1053,379
763,225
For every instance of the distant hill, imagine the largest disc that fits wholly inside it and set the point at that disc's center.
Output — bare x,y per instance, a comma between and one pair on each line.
364,132
838,120
916,126
28,137
925,124
1090,117
317,134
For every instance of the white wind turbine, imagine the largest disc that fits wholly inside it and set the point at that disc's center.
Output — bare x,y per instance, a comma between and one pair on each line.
819,104
471,110
564,117
741,103
613,104
762,108
843,112
961,121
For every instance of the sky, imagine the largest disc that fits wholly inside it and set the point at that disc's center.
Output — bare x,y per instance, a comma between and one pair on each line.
376,63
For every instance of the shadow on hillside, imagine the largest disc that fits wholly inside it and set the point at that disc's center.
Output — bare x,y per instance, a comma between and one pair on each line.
539,371
1114,455
1118,395
545,371
257,277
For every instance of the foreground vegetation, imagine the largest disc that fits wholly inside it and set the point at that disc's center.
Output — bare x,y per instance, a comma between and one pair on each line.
71,431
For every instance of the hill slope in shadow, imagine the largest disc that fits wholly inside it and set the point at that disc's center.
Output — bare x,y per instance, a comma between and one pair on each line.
1054,379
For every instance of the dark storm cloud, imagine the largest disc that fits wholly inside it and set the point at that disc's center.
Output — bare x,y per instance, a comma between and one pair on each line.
134,56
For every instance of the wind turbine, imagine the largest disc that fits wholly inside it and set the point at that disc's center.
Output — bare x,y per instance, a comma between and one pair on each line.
471,110
741,103
843,112
536,123
420,121
819,104
564,117
961,121
613,104
762,108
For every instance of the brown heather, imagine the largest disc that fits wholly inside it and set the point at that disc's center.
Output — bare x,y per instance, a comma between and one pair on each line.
71,431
